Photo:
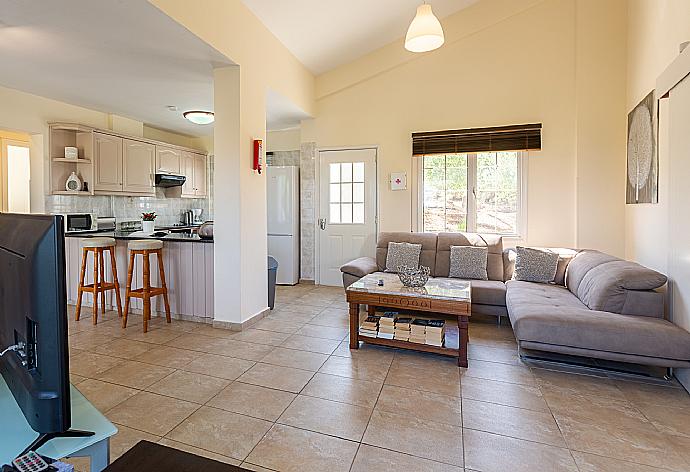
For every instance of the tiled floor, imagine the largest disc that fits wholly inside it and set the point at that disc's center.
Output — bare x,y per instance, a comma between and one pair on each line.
290,395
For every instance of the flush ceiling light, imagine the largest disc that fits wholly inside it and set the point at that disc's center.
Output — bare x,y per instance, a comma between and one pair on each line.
199,117
425,32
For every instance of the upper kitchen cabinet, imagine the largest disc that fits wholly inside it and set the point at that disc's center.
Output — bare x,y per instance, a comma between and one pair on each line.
108,162
194,169
168,160
139,161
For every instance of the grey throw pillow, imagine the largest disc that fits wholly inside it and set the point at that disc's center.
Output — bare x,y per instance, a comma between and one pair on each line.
468,262
535,265
402,254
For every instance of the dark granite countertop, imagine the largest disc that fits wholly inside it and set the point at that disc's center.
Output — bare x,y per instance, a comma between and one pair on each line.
176,236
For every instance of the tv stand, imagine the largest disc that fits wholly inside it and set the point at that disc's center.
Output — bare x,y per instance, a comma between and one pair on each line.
44,438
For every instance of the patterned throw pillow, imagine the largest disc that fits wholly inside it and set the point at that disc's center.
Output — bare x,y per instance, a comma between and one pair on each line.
535,265
468,262
402,254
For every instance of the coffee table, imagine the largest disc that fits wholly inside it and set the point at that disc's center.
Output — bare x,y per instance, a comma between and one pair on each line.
442,297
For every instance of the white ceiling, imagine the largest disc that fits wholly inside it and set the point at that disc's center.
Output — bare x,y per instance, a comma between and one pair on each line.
324,34
117,56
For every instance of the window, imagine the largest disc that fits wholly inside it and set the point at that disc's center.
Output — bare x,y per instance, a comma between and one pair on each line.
346,193
477,192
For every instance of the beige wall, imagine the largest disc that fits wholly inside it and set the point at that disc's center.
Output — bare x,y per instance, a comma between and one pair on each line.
286,140
655,29
558,62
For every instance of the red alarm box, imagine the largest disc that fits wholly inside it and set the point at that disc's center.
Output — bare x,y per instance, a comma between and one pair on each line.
258,153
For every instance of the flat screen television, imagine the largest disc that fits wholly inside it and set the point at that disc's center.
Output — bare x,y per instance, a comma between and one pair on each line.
33,322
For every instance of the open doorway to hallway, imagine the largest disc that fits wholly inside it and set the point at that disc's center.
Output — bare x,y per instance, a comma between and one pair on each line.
15,173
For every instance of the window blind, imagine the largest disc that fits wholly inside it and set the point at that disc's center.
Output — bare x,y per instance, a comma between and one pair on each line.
500,138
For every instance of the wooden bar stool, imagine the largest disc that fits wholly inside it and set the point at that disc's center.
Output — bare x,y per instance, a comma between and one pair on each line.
145,247
99,286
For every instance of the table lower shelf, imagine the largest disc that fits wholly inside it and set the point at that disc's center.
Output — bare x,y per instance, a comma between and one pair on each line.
444,351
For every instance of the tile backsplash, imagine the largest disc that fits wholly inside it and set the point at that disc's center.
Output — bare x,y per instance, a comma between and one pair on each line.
168,209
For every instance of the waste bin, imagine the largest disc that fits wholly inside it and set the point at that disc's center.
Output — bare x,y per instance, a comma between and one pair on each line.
272,272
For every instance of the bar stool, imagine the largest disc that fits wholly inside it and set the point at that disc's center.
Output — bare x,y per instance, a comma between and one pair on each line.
99,286
145,247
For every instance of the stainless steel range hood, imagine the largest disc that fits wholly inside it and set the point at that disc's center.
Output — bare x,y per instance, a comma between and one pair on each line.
170,180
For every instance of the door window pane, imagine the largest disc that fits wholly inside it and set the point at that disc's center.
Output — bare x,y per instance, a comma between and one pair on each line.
335,193
358,192
347,186
346,213
335,173
334,216
358,172
358,213
346,192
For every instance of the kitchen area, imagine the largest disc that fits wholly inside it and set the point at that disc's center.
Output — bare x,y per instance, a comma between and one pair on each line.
109,184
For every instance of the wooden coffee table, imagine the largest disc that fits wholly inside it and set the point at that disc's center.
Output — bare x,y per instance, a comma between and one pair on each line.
441,298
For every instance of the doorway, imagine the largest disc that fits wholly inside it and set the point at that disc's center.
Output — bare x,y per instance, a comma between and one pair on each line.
15,176
347,219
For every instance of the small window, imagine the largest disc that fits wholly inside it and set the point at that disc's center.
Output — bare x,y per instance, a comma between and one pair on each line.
476,192
346,193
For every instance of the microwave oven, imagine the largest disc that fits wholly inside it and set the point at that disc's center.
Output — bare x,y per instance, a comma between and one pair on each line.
80,222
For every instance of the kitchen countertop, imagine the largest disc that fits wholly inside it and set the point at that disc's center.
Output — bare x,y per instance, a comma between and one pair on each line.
177,237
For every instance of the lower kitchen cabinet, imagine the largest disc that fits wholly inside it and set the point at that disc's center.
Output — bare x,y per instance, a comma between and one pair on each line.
188,273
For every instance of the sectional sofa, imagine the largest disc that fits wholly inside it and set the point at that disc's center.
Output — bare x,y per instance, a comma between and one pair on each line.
599,306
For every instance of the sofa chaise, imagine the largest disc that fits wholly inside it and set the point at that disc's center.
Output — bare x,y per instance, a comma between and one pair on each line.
598,306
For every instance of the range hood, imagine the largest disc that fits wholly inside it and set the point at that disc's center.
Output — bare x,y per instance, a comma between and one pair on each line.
170,180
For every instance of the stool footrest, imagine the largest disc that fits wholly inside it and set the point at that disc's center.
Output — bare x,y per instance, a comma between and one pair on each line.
139,292
101,287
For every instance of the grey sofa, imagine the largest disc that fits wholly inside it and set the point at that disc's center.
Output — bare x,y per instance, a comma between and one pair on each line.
599,306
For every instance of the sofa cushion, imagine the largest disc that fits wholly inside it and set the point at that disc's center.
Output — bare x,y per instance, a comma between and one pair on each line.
582,263
557,317
493,243
487,292
468,262
535,265
401,255
565,255
609,286
427,257
360,267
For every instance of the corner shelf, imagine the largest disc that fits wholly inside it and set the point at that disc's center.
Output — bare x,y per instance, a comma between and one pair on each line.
71,161
71,192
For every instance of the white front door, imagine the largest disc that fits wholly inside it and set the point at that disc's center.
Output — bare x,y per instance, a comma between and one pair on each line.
347,210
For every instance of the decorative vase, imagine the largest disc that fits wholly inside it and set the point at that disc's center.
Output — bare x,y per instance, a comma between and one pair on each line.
148,226
73,183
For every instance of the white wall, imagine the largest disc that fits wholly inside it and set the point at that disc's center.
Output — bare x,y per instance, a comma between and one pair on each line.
285,140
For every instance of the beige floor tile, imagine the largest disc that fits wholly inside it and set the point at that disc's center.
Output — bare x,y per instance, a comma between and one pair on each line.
379,353
482,352
220,431
295,450
327,417
422,438
280,378
298,359
168,356
325,332
303,309
500,372
219,366
89,365
441,365
197,342
423,379
422,405
242,350
673,421
317,300
154,414
278,325
135,374
681,445
503,393
253,400
375,459
341,319
488,452
509,421
124,348
126,438
198,451
75,379
261,336
155,335
308,343
103,395
356,368
190,386
209,330
88,340
291,317
592,463
255,468
343,389
594,409
649,394
564,383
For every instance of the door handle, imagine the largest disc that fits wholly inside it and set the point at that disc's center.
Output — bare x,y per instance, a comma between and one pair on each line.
322,224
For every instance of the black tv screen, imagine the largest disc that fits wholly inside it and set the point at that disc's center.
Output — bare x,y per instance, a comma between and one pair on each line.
33,314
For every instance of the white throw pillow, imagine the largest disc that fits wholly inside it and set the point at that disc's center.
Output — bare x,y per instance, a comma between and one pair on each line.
402,254
469,262
535,265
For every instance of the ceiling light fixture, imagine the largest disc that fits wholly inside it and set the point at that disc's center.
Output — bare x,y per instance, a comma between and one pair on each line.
425,32
199,117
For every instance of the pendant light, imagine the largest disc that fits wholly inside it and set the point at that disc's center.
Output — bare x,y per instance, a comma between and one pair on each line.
425,32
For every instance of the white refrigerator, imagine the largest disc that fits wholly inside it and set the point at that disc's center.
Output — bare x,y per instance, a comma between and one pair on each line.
282,189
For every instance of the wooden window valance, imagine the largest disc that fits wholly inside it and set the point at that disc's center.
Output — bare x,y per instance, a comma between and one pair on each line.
499,138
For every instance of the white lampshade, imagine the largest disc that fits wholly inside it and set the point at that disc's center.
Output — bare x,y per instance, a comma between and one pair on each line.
199,117
425,32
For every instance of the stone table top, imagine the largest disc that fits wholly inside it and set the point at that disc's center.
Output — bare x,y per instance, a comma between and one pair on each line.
435,288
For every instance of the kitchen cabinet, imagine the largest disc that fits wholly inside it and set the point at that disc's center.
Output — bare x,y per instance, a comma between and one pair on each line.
138,163
107,153
168,160
194,168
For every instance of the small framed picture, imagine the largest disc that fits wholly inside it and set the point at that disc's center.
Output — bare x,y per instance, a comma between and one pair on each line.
398,181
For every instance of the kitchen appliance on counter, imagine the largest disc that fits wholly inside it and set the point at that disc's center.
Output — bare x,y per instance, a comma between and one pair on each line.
192,217
128,226
80,222
106,223
282,191
169,180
